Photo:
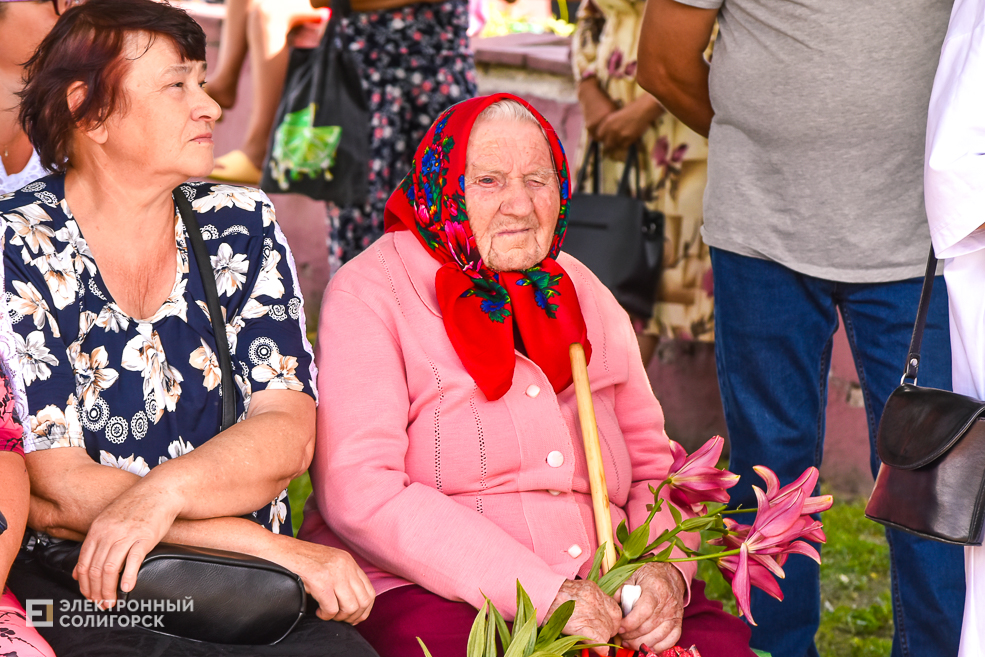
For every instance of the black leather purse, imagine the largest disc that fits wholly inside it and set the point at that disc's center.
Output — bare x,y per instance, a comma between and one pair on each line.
617,236
218,596
932,445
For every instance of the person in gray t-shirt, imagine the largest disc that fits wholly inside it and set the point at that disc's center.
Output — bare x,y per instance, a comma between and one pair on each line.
815,112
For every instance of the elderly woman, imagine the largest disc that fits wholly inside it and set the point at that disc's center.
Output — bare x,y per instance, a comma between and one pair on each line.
448,458
116,346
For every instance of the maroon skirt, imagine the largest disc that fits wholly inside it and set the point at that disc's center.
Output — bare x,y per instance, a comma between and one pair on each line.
403,614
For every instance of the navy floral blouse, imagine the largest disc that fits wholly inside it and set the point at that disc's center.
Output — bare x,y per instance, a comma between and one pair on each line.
147,391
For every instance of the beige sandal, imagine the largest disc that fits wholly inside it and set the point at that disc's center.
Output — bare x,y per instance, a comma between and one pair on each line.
236,167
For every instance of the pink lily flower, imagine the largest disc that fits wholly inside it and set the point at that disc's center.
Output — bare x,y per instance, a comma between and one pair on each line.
805,484
695,480
783,518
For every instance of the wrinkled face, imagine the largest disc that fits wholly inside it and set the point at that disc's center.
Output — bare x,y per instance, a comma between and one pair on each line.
165,127
22,27
511,193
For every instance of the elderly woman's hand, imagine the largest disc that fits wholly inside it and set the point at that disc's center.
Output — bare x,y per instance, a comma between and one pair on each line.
656,618
596,615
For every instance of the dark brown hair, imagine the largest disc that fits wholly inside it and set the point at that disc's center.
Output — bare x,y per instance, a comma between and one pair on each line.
87,45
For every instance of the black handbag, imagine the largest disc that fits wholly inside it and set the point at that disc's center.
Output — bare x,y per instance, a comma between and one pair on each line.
217,596
932,445
320,146
617,236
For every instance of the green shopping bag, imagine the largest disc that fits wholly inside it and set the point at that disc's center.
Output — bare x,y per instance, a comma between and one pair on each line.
320,146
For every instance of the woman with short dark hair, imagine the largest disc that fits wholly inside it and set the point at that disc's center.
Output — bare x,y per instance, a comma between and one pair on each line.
116,346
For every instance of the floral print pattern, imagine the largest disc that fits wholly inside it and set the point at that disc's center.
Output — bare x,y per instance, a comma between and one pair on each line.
141,392
10,431
673,176
415,62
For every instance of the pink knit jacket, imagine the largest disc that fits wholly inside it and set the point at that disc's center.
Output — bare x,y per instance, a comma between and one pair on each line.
426,481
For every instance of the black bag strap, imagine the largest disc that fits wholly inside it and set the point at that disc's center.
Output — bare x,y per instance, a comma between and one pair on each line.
913,357
592,160
204,266
202,263
632,164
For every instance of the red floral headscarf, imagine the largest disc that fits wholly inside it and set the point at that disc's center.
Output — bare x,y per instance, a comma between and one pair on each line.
480,307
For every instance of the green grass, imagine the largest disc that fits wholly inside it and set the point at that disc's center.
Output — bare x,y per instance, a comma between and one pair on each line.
856,612
298,493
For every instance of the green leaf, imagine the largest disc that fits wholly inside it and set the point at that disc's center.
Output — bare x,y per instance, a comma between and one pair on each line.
564,644
551,630
637,542
501,629
658,541
714,508
616,577
665,553
675,514
424,647
622,533
520,647
521,613
697,524
490,635
477,636
523,601
596,569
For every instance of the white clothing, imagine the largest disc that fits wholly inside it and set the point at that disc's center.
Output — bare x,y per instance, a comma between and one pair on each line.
14,181
954,184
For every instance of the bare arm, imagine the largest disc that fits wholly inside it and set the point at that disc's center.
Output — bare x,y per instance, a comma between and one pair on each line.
343,591
234,473
122,517
671,60
14,497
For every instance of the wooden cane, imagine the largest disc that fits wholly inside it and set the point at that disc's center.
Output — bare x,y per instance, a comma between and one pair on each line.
593,454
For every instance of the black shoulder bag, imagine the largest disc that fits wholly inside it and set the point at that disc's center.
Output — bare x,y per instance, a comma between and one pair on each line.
617,236
932,445
219,596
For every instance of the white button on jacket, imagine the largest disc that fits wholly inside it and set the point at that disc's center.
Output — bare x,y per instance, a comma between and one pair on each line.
555,459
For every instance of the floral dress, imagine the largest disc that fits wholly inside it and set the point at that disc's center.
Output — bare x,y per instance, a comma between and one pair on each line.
673,180
414,62
140,392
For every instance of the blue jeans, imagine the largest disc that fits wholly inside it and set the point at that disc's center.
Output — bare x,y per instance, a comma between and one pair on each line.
773,337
